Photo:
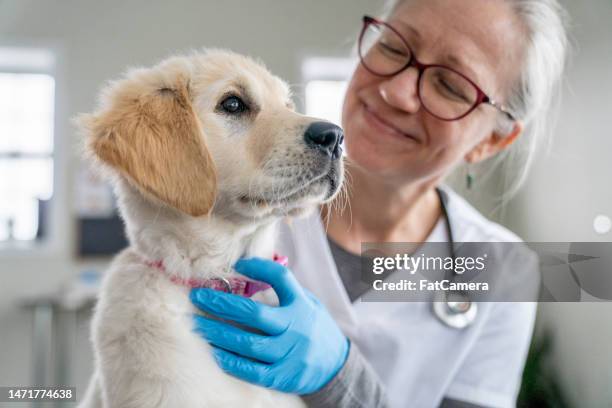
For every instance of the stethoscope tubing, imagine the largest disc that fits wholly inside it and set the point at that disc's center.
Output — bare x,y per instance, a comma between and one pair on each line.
456,314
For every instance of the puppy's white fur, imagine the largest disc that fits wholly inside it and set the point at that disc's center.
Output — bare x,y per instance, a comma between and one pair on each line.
198,188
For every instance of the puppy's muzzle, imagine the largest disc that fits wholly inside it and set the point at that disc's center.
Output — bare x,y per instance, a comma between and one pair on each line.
326,138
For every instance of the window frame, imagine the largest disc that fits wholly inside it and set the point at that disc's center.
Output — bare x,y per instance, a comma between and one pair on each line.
56,242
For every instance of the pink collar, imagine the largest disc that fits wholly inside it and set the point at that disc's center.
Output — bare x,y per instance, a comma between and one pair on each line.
237,286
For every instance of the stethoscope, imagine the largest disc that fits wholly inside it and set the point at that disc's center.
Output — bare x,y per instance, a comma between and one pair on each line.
453,308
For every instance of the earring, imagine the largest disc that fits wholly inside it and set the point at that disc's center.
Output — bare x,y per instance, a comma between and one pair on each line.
469,177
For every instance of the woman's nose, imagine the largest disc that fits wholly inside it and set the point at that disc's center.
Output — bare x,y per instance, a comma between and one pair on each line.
401,90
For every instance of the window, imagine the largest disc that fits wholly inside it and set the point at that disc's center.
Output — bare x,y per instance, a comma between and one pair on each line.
326,80
324,99
27,95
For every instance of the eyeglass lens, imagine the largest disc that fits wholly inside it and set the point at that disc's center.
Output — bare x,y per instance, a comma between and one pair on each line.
443,92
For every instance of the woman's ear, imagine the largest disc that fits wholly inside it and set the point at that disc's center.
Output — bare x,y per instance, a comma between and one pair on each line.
494,144
148,131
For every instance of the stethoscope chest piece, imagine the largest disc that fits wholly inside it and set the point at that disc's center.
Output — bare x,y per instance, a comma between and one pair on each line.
455,309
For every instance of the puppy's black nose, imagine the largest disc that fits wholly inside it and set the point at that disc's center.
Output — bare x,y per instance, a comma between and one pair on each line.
325,137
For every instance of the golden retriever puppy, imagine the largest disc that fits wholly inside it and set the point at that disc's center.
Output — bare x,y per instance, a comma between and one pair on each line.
205,153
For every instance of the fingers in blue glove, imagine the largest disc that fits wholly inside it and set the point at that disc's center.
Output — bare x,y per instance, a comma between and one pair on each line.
255,346
243,368
313,347
239,309
282,280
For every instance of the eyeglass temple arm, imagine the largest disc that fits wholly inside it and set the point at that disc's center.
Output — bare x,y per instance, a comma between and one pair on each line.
499,107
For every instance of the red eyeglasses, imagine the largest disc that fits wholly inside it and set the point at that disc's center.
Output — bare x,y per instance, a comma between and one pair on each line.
444,92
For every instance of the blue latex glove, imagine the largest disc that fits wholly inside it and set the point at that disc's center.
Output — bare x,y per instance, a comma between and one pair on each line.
302,348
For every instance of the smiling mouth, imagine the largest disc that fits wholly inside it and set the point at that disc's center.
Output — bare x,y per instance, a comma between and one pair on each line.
384,125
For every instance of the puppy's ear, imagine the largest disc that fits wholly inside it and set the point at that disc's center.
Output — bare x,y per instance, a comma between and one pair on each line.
149,132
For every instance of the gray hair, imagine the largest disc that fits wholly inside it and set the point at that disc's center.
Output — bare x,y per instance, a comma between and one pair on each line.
535,97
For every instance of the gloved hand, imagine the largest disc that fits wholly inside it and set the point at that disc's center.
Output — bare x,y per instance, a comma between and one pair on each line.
302,348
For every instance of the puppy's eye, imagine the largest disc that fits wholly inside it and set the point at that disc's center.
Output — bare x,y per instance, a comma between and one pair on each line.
233,104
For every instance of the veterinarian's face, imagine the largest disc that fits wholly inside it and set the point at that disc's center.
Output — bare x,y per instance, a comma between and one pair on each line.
269,159
388,133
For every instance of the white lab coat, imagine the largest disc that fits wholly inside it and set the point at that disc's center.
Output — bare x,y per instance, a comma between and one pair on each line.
419,359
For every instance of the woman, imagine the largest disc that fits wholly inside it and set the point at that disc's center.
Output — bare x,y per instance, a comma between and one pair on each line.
407,126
